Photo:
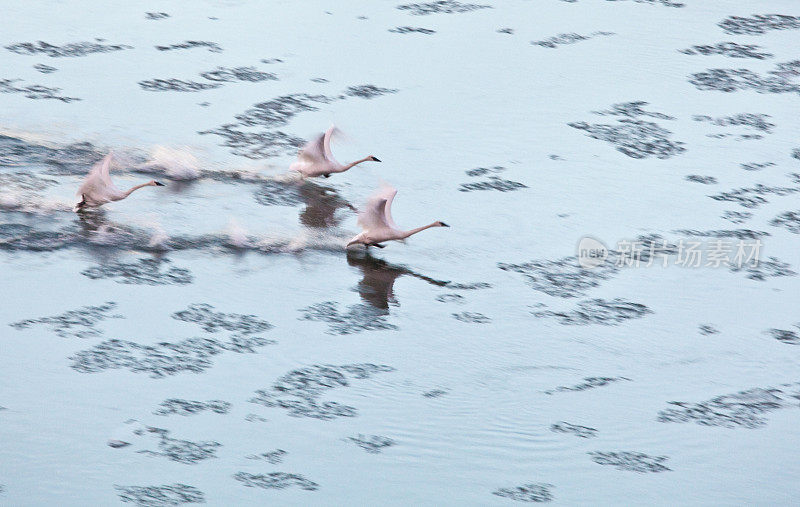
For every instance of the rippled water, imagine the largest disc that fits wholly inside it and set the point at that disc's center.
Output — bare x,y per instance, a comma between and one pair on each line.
212,341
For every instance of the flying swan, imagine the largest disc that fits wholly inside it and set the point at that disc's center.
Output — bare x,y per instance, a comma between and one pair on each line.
98,189
316,159
376,221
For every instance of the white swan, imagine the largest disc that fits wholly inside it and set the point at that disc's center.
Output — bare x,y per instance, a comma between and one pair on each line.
376,221
316,158
98,189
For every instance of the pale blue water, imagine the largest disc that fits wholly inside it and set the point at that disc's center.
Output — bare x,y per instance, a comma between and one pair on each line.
216,321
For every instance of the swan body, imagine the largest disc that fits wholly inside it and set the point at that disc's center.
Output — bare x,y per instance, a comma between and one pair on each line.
98,189
377,224
316,158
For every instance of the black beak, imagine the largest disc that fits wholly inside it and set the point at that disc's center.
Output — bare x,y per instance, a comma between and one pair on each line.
375,159
158,184
444,224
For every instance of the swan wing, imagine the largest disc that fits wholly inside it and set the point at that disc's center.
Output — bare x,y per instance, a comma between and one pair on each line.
390,193
327,144
98,182
314,151
375,214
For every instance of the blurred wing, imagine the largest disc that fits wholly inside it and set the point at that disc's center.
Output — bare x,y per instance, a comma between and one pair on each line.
375,214
314,151
99,178
390,192
327,144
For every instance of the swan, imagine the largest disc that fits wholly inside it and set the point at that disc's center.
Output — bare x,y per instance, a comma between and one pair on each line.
316,159
376,221
98,189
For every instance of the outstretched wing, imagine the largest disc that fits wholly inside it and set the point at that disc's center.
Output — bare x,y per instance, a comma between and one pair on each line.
390,193
376,214
314,151
98,179
327,144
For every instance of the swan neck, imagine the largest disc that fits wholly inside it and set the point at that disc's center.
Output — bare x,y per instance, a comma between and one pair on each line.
418,229
133,189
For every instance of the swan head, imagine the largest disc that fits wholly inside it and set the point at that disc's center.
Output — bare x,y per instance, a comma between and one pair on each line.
439,223
374,159
157,183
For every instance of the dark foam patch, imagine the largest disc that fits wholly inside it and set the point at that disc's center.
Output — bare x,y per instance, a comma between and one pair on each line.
277,193
472,317
412,29
204,316
174,406
78,323
786,335
142,272
217,78
440,7
778,80
275,480
772,267
156,15
373,444
705,180
745,409
789,220
665,3
72,49
598,311
756,166
758,24
563,278
273,114
358,318
299,391
71,159
631,135
44,69
162,359
753,197
631,461
368,91
575,429
435,393
36,92
729,49
588,383
160,496
492,183
242,74
564,39
537,492
724,233
737,217
25,181
175,85
191,44
254,418
182,451
749,122
707,329
272,457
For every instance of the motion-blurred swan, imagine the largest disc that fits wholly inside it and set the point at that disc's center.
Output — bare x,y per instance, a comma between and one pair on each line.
316,159
376,220
98,189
